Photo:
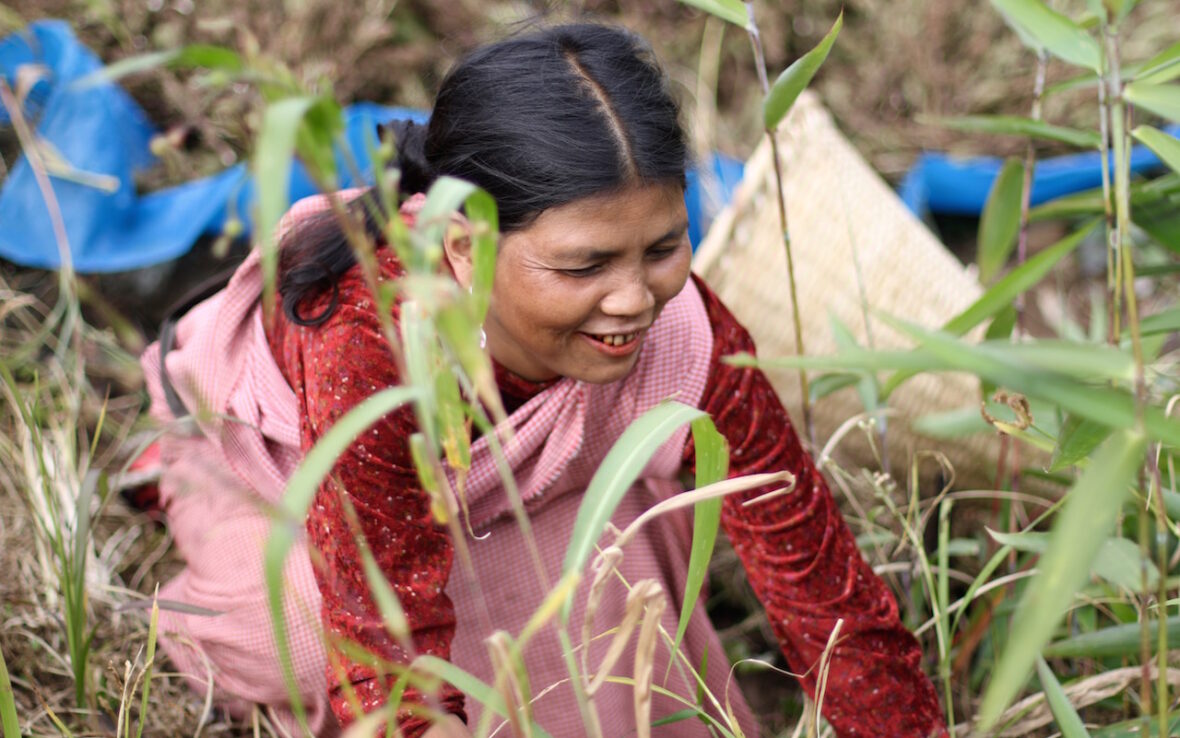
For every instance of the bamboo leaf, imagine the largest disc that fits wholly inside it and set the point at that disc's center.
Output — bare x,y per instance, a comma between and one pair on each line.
1118,560
1117,641
301,489
712,465
1167,321
1000,222
795,78
1000,365
1088,514
1166,147
1004,291
1000,296
1046,28
733,11
1163,100
1063,712
619,470
1163,67
1078,437
825,384
1011,125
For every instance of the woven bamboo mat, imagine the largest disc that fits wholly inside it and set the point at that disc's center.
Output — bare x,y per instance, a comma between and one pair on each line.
851,236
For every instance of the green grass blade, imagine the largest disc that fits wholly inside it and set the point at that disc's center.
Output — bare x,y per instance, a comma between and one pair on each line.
1163,100
469,685
733,11
1088,514
618,472
1000,222
795,78
188,57
1166,321
1064,714
153,630
712,461
1117,641
8,719
1014,125
1003,292
485,225
1035,21
1166,147
272,171
301,489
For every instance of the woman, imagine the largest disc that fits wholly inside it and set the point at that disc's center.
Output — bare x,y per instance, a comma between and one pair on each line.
594,318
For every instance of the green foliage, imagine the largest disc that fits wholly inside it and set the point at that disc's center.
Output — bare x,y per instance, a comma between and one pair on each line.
1165,146
1116,641
1161,99
1011,125
712,465
1088,514
733,11
8,719
1041,27
1000,223
621,467
301,489
1063,712
795,78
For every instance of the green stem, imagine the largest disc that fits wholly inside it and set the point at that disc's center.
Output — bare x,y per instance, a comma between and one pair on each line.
1030,162
1119,115
944,657
1161,596
8,719
760,63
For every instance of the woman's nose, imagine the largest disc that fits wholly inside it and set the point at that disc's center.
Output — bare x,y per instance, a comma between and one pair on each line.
629,296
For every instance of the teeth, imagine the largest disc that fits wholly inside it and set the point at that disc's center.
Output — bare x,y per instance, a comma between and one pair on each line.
617,339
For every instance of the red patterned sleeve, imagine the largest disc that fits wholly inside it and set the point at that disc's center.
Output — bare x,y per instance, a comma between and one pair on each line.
803,562
332,368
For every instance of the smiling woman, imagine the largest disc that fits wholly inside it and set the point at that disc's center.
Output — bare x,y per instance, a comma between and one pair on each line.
593,320
576,292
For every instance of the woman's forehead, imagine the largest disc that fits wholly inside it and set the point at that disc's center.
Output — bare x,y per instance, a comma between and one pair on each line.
594,226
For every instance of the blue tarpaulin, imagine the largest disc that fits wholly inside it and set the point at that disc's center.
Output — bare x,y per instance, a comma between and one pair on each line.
104,137
940,183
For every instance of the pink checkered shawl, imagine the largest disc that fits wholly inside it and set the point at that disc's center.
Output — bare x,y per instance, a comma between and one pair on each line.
218,482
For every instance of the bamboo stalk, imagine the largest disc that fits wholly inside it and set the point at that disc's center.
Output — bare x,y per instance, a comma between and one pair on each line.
764,81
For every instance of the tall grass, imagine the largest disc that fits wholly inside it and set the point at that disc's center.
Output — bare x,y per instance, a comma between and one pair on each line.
1070,607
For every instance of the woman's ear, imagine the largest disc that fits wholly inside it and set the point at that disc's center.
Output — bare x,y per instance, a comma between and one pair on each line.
457,247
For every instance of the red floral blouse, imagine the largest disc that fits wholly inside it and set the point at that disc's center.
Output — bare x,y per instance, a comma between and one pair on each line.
799,553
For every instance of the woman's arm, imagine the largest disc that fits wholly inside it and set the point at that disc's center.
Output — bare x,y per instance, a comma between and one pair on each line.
803,562
336,366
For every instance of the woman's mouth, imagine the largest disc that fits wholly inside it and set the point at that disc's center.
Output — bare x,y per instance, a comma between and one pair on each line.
614,344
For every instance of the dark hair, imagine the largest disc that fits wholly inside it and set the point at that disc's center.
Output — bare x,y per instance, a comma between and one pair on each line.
537,120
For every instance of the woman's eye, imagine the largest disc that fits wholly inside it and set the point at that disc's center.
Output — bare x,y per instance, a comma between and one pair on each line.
663,252
583,272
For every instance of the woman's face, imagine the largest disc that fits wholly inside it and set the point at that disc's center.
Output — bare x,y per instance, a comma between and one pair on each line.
577,290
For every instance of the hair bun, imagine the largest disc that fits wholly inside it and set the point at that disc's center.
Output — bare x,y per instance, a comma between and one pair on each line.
409,138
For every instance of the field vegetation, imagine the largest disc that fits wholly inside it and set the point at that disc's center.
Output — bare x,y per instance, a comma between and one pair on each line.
1048,604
